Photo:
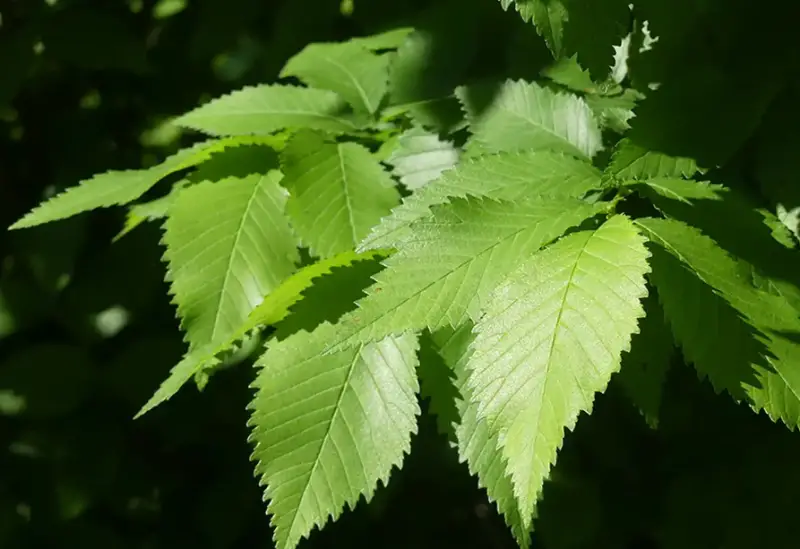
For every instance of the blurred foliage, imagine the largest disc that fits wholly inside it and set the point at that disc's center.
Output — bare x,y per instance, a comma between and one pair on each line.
87,331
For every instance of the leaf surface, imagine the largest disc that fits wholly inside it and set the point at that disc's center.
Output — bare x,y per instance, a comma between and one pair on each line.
550,339
632,161
338,192
420,157
228,245
328,427
268,108
504,176
522,115
359,76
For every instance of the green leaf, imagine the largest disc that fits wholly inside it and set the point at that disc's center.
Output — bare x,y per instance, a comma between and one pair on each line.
359,76
614,111
420,157
436,379
505,176
328,427
339,191
522,115
389,40
274,308
645,368
476,446
266,109
752,351
443,273
120,187
632,161
149,211
550,339
228,245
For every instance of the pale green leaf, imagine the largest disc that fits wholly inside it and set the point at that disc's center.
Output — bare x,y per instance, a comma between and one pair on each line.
550,339
504,176
339,191
420,157
359,76
443,273
522,115
614,111
632,161
116,188
228,245
328,427
266,109
274,308
756,356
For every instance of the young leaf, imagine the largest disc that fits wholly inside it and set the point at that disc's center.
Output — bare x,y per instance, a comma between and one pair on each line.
550,339
328,427
421,157
476,445
443,273
359,76
150,211
760,328
338,192
632,161
274,308
116,188
266,109
228,245
645,367
523,115
504,176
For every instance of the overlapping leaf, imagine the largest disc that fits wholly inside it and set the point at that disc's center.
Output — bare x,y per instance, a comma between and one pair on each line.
632,161
522,115
339,191
328,427
228,245
504,176
268,108
116,188
754,331
358,75
443,273
420,157
274,308
550,339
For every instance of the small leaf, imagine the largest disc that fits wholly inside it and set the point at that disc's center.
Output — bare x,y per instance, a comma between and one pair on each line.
328,427
632,161
359,76
550,339
420,157
265,109
389,40
522,115
228,245
338,192
120,187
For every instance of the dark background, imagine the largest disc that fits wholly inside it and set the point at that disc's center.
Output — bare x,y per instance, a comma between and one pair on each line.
87,331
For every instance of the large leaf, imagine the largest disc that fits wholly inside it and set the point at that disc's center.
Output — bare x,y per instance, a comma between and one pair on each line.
266,109
120,187
359,76
328,427
228,245
522,115
751,351
274,308
443,273
339,191
504,176
420,157
550,339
